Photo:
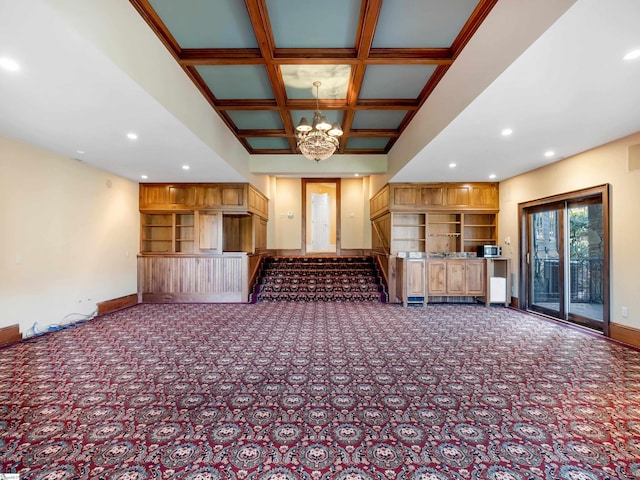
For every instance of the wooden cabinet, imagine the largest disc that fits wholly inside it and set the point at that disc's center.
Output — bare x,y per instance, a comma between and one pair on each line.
228,197
437,277
205,218
411,281
210,232
465,277
434,218
456,277
435,196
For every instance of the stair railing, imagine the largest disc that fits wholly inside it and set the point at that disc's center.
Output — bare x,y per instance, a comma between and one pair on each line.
385,248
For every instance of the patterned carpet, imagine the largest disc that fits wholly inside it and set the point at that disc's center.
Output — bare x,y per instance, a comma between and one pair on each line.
319,279
315,391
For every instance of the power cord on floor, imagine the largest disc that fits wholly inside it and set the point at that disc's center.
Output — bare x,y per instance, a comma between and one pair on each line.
65,324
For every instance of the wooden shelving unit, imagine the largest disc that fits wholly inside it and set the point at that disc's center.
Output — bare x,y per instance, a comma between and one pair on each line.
444,231
479,229
157,232
408,232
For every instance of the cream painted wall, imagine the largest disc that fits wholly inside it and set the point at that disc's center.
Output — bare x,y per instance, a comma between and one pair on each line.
355,213
610,164
70,235
286,196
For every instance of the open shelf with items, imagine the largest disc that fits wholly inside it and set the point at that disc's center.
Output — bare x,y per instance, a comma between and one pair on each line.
479,229
444,232
408,232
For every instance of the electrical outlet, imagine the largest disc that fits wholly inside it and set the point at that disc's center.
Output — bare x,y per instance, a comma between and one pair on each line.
625,312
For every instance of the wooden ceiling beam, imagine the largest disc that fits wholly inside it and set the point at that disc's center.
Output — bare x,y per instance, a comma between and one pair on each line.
247,105
154,21
471,26
221,56
372,133
259,16
261,133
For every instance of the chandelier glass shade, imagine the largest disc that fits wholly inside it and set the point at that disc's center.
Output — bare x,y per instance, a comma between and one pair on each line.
319,140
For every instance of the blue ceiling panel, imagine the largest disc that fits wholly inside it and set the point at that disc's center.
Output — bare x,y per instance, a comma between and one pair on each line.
334,116
256,119
237,81
206,23
269,143
395,81
421,23
326,24
378,119
367,143
298,81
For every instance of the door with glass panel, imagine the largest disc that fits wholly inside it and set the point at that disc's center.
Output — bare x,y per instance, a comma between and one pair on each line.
546,260
566,259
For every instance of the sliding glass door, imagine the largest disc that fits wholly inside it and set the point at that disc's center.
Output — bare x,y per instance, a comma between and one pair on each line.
565,263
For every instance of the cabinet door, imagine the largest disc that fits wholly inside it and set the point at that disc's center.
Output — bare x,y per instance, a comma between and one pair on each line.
456,277
437,278
210,231
476,278
415,278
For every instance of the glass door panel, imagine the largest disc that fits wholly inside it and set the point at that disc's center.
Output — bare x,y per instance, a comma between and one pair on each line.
546,262
586,260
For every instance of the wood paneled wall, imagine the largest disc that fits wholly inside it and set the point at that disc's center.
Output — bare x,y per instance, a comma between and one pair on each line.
204,278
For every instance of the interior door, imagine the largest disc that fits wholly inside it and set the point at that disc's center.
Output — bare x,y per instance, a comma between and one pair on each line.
320,217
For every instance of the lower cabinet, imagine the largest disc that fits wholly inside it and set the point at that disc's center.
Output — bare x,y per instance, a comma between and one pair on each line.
411,281
456,277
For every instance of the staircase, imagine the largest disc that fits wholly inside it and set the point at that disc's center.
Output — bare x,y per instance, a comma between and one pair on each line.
319,279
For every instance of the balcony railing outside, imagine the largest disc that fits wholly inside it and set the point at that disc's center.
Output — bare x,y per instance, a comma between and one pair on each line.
585,286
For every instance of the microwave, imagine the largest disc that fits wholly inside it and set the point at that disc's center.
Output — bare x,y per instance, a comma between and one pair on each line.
489,251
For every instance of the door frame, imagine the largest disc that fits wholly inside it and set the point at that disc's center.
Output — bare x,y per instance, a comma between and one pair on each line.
306,181
523,211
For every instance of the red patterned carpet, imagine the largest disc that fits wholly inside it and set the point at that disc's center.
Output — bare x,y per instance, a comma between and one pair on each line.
319,391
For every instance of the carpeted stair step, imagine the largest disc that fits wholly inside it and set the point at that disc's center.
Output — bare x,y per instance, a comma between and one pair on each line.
319,279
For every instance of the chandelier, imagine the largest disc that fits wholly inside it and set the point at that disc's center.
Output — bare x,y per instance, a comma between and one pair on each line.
319,140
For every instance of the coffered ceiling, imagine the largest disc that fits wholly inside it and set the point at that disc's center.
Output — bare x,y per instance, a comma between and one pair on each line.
256,61
417,85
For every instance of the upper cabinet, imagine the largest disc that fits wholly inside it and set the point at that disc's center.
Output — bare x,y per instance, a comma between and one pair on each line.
227,197
404,197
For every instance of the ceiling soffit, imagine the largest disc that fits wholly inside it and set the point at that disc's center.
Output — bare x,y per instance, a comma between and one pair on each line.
255,62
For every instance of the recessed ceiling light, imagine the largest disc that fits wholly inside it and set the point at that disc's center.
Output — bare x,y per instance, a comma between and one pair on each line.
9,64
186,167
356,174
506,132
632,55
132,136
492,176
81,152
452,165
144,177
549,153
